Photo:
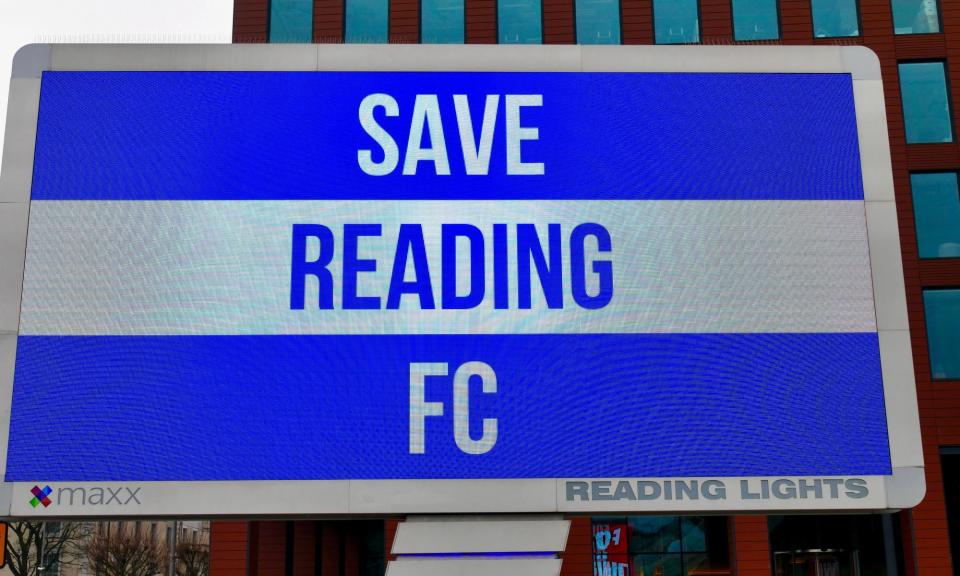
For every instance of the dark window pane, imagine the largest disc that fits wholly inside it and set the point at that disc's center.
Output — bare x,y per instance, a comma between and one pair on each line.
926,109
291,21
519,22
366,21
654,534
942,308
755,20
442,22
915,16
598,21
826,544
936,205
832,18
659,564
694,534
676,21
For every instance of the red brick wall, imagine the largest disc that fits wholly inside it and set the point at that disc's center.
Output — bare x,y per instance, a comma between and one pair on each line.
304,549
228,548
796,23
404,26
578,557
328,21
749,546
271,548
558,22
636,21
389,533
481,21
250,20
716,25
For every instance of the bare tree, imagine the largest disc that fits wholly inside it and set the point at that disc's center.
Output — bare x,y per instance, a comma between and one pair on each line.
36,547
193,559
124,553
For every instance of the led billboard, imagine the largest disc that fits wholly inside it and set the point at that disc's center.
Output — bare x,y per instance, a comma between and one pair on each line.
336,280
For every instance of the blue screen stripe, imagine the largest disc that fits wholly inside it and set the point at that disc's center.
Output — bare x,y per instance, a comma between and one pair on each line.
112,408
296,135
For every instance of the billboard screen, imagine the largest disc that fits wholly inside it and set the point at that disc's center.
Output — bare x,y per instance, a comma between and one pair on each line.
640,290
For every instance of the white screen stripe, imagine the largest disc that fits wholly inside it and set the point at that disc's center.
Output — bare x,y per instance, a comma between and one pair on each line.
211,267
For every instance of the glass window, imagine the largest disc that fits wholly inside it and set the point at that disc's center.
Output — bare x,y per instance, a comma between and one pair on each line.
661,545
936,208
519,22
848,545
942,308
291,21
915,16
366,21
755,20
676,21
441,21
598,21
832,18
926,108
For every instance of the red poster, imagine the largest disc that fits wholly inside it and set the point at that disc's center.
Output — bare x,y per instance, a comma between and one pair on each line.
611,550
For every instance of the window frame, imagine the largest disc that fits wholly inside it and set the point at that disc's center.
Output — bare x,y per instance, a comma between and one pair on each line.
733,23
950,111
813,28
926,332
653,21
893,22
913,207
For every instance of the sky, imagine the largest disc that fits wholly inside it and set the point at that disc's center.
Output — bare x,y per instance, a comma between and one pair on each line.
125,21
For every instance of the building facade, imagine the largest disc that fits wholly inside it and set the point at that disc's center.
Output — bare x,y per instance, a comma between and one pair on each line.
918,44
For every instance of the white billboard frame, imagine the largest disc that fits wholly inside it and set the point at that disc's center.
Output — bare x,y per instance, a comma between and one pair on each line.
903,489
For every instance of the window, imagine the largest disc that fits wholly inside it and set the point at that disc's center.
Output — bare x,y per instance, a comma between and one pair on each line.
915,16
598,21
936,209
441,22
366,21
667,545
942,309
519,22
291,21
926,108
833,18
676,21
755,20
851,545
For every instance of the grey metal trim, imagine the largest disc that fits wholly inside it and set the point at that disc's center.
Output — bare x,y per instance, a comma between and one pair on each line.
33,59
474,567
906,488
8,354
16,170
13,232
476,535
271,498
896,355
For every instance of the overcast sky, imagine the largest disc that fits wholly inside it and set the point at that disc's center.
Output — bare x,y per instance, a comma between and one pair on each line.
26,21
